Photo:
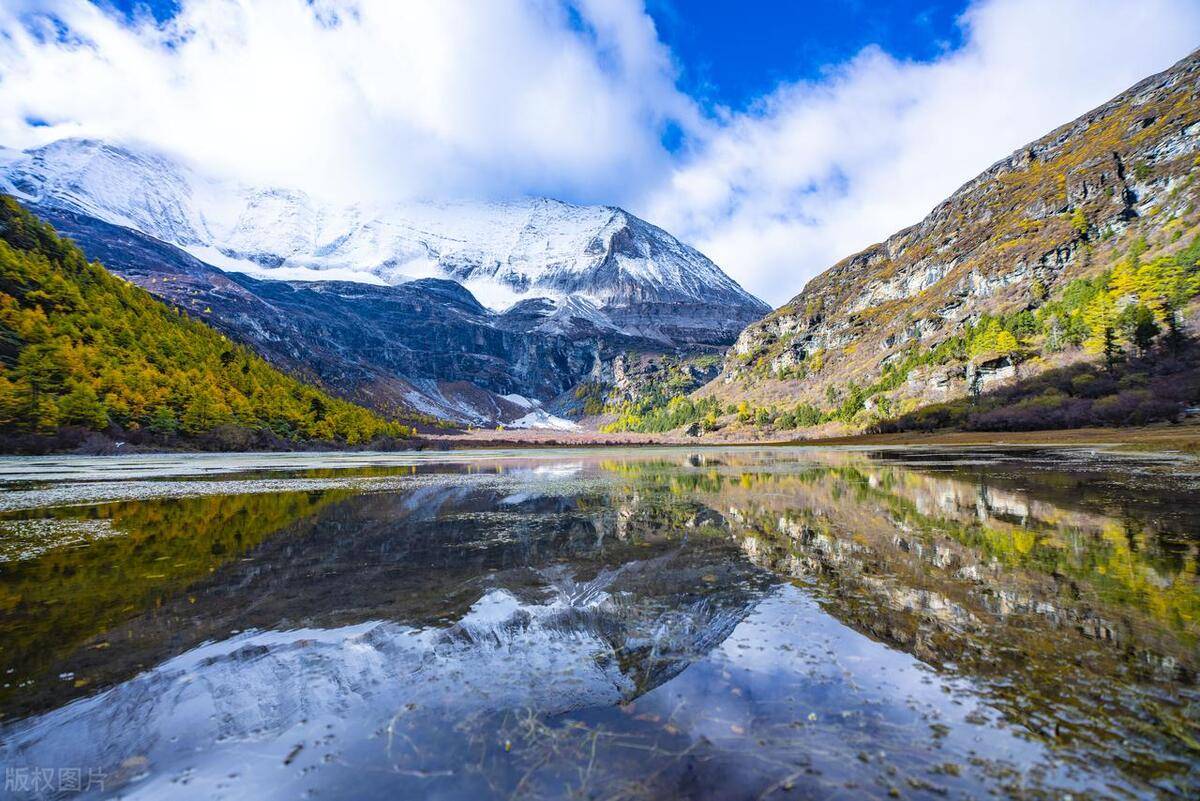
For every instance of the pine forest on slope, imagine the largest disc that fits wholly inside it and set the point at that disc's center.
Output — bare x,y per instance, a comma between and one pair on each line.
83,349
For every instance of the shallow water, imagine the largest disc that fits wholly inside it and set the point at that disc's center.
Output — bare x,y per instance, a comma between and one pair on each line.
717,623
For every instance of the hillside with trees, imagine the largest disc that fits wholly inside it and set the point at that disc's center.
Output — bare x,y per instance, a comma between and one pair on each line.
82,350
1057,289
1114,349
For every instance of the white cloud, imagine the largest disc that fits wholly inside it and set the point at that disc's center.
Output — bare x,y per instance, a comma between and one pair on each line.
453,97
820,170
570,98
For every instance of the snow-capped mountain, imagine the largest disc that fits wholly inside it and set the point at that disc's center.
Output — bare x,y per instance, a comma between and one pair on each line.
381,305
589,256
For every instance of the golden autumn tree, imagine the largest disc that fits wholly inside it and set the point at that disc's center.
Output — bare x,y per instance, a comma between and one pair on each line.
81,347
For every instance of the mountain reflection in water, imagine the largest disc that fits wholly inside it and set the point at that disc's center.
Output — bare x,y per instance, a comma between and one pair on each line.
732,623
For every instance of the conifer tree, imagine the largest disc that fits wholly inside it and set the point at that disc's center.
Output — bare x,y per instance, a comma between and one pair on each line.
86,348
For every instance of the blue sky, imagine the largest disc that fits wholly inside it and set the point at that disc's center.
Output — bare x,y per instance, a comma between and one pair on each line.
732,53
776,137
161,9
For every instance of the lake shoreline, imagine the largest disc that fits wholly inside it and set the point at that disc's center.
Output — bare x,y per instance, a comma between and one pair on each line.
1184,437
1166,437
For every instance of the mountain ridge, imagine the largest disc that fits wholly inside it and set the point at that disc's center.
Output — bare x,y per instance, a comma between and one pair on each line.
502,251
342,335
579,285
1061,208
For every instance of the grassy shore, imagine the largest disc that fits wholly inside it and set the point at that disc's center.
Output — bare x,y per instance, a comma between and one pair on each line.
1181,437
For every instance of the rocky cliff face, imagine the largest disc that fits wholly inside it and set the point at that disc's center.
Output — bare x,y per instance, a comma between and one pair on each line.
1060,208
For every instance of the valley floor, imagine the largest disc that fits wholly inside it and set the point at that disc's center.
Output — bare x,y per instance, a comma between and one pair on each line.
1163,437
542,437
1183,436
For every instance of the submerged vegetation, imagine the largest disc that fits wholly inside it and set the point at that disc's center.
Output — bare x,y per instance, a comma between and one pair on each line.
82,349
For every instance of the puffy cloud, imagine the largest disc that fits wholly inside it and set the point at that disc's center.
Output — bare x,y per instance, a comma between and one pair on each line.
819,170
572,98
358,96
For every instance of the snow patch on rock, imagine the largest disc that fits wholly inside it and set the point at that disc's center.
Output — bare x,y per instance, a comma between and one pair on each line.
543,419
537,416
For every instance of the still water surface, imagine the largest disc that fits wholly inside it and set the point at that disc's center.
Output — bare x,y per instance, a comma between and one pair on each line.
709,624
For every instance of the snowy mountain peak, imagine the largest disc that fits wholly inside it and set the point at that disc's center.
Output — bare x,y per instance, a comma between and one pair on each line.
139,190
503,252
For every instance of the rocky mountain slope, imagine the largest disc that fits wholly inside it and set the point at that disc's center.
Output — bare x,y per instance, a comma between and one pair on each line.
426,345
903,323
374,304
598,263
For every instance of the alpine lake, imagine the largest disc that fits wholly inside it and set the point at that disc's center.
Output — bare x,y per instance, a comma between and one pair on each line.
705,623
